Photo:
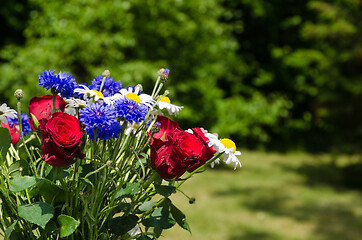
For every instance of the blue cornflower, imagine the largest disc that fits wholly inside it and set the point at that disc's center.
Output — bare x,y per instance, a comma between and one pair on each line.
105,132
101,117
97,115
130,110
109,88
24,123
63,83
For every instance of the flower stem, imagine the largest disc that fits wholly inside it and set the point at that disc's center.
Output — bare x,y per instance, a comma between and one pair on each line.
155,87
18,105
54,103
103,80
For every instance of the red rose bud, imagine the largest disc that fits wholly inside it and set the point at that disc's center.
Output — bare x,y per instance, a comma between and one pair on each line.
41,107
61,139
14,132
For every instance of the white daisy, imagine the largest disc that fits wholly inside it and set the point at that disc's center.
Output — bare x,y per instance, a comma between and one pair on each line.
89,94
85,91
111,99
165,102
137,95
5,111
226,146
72,104
130,128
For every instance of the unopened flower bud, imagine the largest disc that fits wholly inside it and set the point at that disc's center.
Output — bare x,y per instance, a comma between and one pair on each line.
160,72
109,163
19,94
192,200
139,86
167,92
156,127
106,73
164,75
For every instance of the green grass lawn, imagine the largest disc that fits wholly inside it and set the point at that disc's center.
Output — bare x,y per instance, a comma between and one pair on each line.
274,196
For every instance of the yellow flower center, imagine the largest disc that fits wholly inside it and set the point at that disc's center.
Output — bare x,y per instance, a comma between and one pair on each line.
99,94
136,126
228,143
134,97
165,99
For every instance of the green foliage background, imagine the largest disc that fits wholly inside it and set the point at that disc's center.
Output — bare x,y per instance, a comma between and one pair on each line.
280,74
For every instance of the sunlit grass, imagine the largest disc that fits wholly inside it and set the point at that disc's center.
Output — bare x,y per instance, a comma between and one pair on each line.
273,196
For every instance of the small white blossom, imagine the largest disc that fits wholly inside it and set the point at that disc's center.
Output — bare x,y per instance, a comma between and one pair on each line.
226,146
5,111
165,103
138,96
73,104
85,91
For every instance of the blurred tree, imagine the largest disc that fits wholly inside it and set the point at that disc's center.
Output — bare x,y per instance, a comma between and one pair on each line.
283,73
308,53
13,17
134,39
131,38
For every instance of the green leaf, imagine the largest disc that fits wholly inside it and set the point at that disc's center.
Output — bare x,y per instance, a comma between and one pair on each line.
38,213
84,169
9,230
19,168
50,191
161,217
36,122
67,225
180,217
128,190
157,231
48,170
121,225
18,184
51,226
52,175
5,141
146,205
164,190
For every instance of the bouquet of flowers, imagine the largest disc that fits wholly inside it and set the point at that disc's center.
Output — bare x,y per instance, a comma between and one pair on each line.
98,161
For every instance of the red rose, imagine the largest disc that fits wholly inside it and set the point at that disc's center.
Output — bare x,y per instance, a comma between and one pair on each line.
207,152
173,150
191,148
41,107
61,139
14,132
167,126
163,159
165,162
